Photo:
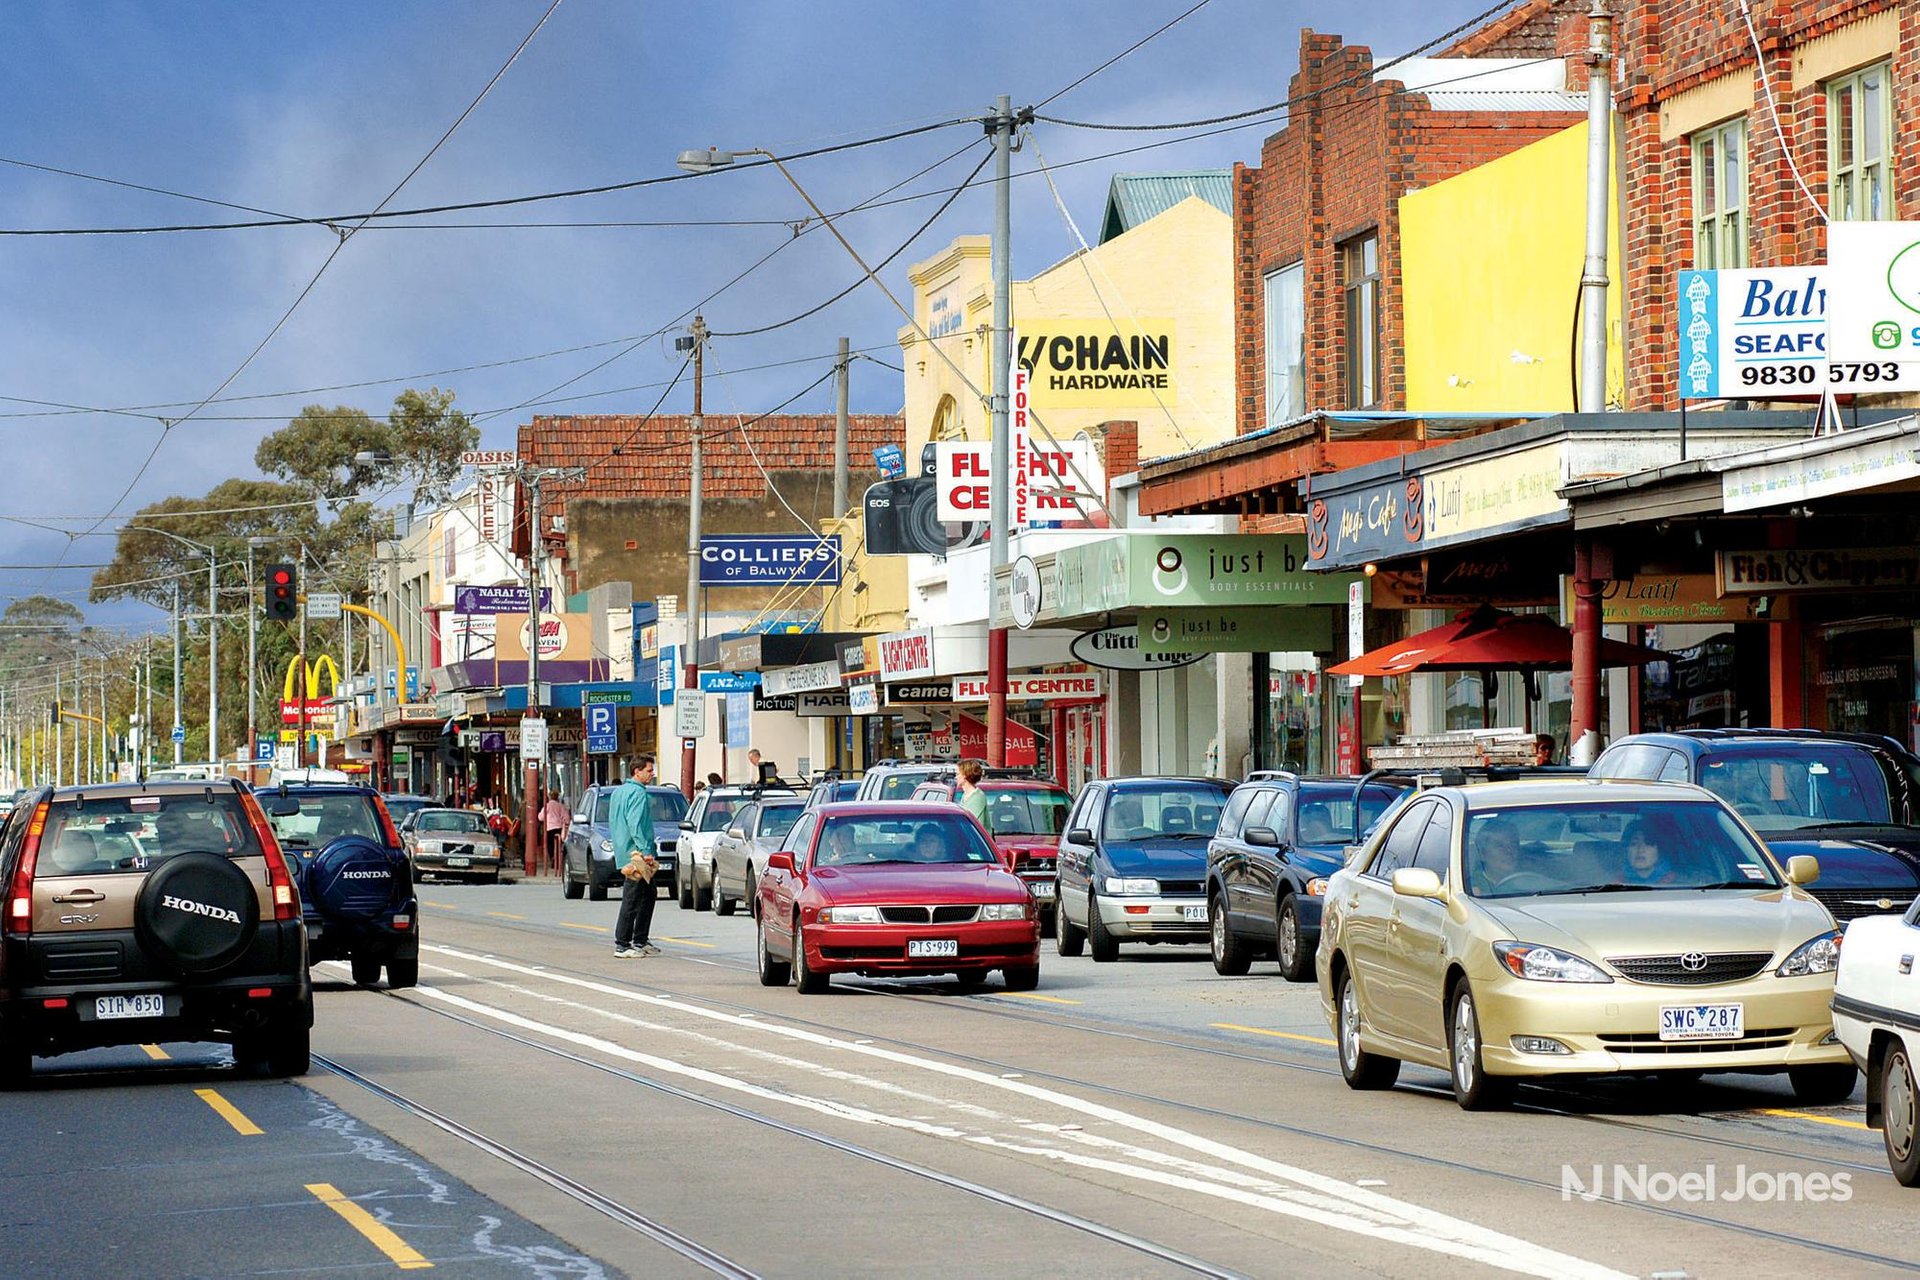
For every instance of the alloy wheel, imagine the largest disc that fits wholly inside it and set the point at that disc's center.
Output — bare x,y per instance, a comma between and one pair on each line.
1900,1109
1466,1044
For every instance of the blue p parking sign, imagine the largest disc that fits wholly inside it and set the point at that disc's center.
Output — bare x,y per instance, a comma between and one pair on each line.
603,729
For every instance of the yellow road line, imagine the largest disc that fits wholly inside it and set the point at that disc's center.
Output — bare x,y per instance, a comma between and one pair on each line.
1836,1121
506,915
687,942
382,1238
1031,995
597,928
155,1052
1277,1035
230,1113
444,906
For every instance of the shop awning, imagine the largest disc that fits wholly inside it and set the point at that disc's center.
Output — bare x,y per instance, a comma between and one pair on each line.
758,651
1488,639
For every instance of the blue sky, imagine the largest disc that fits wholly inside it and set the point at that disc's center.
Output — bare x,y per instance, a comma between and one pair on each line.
321,109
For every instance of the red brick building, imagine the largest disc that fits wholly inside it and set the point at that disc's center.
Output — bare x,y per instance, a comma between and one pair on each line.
627,519
1708,180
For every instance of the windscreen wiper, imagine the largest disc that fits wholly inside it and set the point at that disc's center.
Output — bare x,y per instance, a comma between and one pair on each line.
1616,887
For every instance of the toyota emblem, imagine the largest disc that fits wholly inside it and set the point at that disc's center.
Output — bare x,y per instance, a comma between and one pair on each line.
1693,962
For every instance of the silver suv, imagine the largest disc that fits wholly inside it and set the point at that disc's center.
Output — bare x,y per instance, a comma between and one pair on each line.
137,913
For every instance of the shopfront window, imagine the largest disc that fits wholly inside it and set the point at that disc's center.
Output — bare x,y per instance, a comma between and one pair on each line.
1860,676
1286,321
1294,727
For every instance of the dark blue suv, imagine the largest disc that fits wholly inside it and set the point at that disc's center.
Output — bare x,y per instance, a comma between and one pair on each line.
356,885
1280,837
1132,865
1852,800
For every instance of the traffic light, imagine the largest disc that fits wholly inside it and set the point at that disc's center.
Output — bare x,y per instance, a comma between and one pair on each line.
283,593
56,714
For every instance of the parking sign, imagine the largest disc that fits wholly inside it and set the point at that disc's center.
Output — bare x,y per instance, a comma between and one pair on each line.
603,731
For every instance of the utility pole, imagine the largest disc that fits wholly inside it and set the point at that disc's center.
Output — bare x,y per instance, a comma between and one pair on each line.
59,734
1000,507
301,686
842,431
177,745
530,787
690,681
213,657
1583,737
253,665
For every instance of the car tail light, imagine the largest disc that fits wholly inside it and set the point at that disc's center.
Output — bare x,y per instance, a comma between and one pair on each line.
20,891
278,878
386,823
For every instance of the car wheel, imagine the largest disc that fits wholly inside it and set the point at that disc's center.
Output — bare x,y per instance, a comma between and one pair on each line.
773,973
752,894
1296,959
16,1066
570,888
722,904
1900,1116
403,973
805,979
1104,946
970,979
286,1050
1359,1068
683,890
1022,977
1473,1088
1822,1086
1047,919
595,893
1068,938
1230,958
702,898
366,970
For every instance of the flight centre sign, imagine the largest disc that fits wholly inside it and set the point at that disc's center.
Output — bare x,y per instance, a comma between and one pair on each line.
1097,364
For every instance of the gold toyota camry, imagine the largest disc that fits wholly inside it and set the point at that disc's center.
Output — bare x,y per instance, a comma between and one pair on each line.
1573,927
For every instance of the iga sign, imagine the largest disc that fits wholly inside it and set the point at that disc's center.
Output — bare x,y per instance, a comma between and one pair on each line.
963,473
1047,688
772,559
1873,275
1752,330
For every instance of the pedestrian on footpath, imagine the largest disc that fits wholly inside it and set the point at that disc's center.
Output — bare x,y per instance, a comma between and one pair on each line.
972,798
554,817
630,827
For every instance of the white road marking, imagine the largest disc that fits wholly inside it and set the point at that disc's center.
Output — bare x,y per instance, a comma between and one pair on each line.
1333,1203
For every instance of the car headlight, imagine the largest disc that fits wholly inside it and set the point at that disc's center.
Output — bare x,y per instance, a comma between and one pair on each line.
1815,955
1545,964
606,846
1130,885
1004,911
850,915
1317,888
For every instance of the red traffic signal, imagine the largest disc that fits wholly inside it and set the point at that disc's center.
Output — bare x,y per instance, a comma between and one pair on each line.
283,593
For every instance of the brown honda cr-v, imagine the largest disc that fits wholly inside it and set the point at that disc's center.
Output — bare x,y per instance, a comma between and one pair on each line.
136,913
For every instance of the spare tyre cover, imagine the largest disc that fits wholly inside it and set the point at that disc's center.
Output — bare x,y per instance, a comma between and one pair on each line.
354,878
196,913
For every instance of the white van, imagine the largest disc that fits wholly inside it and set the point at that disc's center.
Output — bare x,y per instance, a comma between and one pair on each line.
308,776
191,771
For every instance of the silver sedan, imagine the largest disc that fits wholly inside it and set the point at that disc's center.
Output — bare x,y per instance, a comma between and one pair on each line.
452,842
755,831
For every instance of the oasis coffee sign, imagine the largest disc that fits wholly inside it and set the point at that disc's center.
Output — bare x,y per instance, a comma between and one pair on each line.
1118,649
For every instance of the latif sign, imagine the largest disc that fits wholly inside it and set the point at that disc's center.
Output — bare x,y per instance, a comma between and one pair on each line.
771,559
1089,364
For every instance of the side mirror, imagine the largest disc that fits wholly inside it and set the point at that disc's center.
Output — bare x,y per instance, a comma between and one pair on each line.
1803,869
1263,837
283,806
580,820
685,825
780,860
1079,835
736,833
1417,882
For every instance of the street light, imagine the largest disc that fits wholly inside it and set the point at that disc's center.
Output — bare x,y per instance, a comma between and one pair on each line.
213,643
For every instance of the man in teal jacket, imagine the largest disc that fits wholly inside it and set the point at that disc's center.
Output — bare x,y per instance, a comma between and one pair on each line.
630,827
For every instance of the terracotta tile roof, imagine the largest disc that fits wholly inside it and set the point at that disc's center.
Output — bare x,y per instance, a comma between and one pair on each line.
628,460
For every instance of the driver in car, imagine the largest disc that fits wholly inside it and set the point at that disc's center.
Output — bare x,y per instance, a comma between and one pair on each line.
838,848
189,828
1498,867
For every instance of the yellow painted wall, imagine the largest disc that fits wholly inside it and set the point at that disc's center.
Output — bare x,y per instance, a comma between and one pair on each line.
1490,262
1175,267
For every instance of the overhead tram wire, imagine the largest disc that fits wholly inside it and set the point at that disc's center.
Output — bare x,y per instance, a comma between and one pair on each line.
1143,40
381,213
342,236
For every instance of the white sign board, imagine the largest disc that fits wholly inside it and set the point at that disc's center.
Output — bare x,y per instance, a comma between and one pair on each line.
489,458
1023,601
1873,323
1356,624
817,703
802,679
533,739
963,473
690,716
1752,333
863,699
323,606
1048,688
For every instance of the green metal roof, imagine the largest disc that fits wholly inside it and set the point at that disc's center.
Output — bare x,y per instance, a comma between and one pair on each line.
1132,198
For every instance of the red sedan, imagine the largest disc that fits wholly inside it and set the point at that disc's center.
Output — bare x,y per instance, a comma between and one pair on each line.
891,889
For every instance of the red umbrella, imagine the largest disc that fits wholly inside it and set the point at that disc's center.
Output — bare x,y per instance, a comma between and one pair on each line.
1489,639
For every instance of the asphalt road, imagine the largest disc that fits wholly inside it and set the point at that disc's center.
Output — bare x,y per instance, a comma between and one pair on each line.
538,1107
